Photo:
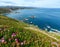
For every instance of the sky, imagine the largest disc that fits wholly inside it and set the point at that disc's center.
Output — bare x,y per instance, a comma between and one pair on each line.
31,3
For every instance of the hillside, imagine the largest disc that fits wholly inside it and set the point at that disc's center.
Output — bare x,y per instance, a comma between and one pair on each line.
8,9
15,33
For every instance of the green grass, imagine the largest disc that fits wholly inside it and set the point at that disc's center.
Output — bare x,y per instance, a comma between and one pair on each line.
15,33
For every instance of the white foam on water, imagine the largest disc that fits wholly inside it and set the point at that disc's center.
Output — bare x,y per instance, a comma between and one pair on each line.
51,29
48,27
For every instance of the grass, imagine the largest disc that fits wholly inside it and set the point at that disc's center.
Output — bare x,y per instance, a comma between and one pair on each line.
15,33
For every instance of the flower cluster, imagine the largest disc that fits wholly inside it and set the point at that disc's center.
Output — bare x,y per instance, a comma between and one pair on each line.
2,40
13,34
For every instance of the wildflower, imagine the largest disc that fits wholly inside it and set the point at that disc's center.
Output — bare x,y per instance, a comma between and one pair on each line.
2,40
22,43
16,40
54,43
13,35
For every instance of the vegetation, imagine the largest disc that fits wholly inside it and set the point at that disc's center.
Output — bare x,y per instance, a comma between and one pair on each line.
4,10
15,33
8,9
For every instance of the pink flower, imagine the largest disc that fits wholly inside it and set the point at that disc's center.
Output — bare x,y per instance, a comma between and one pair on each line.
22,43
16,40
13,35
54,43
2,40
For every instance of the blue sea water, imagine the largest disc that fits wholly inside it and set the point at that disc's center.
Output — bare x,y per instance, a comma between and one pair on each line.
43,17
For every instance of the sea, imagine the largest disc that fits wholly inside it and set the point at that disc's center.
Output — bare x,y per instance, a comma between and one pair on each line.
44,18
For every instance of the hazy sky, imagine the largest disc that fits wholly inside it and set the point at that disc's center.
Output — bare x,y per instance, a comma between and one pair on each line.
32,3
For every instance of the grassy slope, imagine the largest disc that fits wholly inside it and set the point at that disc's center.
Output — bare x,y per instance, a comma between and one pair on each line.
28,36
